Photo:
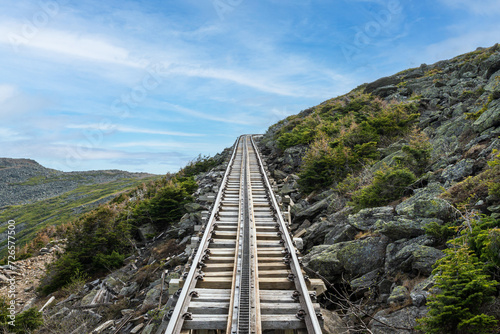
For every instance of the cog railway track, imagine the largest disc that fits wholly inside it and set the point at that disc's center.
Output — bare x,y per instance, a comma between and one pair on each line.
245,276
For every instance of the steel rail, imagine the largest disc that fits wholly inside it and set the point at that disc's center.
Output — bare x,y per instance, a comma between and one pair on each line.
312,323
246,158
176,321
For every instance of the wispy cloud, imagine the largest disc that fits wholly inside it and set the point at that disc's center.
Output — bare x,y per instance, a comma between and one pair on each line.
84,46
131,129
162,145
10,135
233,119
465,42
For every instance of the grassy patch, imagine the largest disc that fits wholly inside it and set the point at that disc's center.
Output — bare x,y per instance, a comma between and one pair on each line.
31,218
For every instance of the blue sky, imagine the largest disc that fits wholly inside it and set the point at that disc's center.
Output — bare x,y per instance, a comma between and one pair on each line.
148,85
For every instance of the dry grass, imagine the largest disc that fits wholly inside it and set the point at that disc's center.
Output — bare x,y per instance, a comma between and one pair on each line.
365,234
398,306
146,274
114,311
166,249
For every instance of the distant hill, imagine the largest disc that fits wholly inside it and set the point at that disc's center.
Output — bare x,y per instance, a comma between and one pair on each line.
35,196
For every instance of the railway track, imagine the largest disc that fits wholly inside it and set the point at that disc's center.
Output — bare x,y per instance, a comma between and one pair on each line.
245,275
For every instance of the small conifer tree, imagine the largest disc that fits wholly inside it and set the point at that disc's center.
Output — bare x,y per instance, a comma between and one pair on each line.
462,288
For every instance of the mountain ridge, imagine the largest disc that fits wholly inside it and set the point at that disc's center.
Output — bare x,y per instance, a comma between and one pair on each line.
35,196
26,181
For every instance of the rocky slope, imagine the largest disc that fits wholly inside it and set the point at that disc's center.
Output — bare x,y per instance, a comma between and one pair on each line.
25,181
382,257
35,197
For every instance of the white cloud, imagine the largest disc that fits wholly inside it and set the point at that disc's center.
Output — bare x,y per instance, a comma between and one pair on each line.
482,7
239,119
163,145
84,46
14,103
9,135
130,129
461,44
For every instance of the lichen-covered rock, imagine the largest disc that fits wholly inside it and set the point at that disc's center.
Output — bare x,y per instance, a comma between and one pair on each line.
338,229
152,296
359,257
341,233
293,155
279,175
324,260
113,283
489,118
398,295
332,323
315,234
289,187
458,171
424,257
313,210
366,218
89,297
425,203
129,290
401,321
403,227
399,255
192,207
146,231
366,281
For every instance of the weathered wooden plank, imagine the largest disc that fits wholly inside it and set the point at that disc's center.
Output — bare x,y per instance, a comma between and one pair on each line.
276,259
270,283
215,283
273,273
228,273
220,259
206,321
317,285
281,321
272,266
208,307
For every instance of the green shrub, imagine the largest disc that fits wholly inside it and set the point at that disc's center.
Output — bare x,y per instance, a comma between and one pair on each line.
484,240
441,233
324,164
363,133
60,273
25,322
100,240
301,134
494,185
28,321
166,206
387,186
395,120
417,154
462,288
108,261
201,164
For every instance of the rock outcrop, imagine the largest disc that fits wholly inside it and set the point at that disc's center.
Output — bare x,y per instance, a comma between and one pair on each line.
377,251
